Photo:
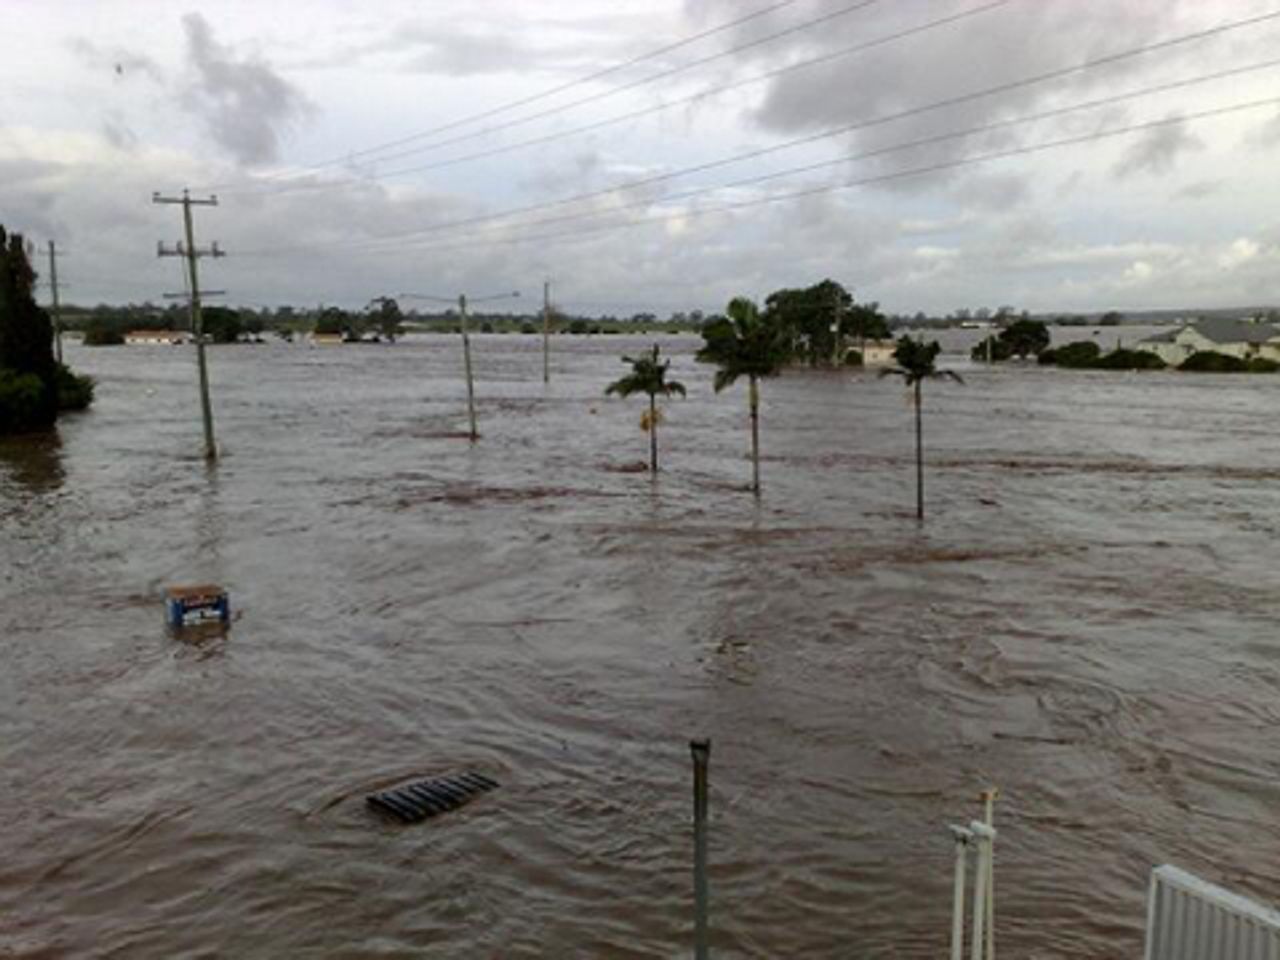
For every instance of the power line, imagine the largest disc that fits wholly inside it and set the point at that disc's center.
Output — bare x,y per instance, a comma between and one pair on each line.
864,124
856,48
871,180
595,97
866,155
553,91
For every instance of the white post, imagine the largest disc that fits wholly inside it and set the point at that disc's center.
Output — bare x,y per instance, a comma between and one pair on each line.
984,835
989,799
962,838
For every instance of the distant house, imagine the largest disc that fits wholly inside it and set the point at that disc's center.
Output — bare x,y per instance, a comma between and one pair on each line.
327,339
165,337
1237,338
878,353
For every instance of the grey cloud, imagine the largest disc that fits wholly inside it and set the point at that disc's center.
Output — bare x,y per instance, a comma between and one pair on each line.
468,52
119,134
992,191
1157,151
123,64
991,49
579,175
489,43
246,105
1200,189
1265,135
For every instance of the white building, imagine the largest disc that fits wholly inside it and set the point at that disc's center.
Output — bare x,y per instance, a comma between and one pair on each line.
167,337
878,353
1245,339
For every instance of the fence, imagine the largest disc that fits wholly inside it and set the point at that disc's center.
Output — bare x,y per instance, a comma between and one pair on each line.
1189,919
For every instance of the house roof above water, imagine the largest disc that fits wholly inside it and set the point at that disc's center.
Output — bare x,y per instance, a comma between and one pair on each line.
1225,330
1221,330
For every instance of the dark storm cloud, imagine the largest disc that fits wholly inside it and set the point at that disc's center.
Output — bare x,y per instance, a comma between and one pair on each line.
245,104
1157,151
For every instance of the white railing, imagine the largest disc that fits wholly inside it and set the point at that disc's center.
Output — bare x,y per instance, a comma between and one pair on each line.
980,836
1189,919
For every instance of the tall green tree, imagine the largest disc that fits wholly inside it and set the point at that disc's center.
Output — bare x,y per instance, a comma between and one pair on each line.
917,362
1026,336
649,376
386,316
26,345
809,314
222,324
742,344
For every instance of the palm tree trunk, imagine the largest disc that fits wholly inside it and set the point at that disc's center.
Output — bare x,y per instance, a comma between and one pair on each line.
653,434
754,400
919,459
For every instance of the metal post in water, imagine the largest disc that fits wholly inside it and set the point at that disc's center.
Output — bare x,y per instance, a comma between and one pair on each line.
962,838
701,750
989,800
985,836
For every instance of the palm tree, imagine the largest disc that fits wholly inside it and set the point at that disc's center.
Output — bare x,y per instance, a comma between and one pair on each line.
648,375
915,365
741,344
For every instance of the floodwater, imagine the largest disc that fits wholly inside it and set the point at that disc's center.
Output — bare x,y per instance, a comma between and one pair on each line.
1087,620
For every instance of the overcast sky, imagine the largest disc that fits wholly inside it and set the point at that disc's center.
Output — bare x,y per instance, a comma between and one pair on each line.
360,149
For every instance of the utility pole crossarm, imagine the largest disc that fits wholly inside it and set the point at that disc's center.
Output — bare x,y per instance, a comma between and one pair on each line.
185,199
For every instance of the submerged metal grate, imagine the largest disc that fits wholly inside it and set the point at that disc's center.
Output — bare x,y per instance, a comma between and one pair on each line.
422,799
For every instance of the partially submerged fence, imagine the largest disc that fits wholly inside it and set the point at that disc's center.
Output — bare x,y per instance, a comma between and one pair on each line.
1189,919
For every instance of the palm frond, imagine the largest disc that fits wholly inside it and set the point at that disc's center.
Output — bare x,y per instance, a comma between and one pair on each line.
725,377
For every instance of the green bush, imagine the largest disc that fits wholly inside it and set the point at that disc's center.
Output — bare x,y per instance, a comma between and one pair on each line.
75,391
1209,361
21,402
853,358
1122,359
1263,365
100,333
1080,355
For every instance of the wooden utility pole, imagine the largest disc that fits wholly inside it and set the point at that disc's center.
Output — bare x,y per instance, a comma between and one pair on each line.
546,331
464,329
192,254
57,309
835,331
466,360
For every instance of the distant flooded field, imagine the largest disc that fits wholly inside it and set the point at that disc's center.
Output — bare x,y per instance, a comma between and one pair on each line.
1088,619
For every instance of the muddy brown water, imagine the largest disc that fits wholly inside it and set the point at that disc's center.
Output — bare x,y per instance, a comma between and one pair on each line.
1088,619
